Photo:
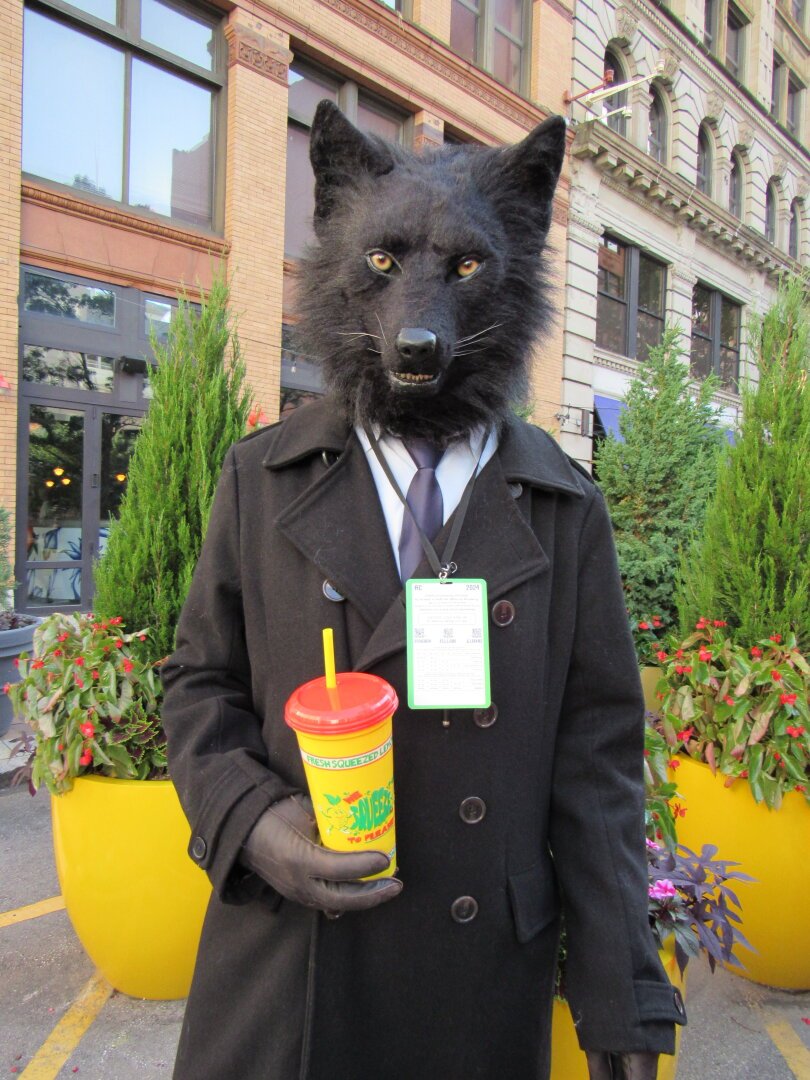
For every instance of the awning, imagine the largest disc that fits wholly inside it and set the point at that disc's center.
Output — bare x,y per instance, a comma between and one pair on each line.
609,410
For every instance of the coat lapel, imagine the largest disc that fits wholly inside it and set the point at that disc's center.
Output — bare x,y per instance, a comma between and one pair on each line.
338,524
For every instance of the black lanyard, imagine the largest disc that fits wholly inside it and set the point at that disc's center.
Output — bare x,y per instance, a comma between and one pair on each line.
443,567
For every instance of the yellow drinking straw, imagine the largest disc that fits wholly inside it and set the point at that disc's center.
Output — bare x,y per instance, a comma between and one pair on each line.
329,658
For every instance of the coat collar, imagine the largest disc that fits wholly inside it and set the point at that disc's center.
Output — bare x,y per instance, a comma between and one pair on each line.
527,454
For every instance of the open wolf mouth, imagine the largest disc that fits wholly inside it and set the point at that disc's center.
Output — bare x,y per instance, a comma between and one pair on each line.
413,381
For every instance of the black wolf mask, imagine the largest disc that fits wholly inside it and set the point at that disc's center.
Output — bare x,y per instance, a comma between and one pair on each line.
425,289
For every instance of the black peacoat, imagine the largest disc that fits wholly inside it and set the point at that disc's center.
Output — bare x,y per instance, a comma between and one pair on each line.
454,978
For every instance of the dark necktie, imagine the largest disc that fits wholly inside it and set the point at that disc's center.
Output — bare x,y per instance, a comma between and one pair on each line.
425,500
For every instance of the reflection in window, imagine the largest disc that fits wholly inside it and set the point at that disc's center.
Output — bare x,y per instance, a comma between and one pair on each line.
158,315
715,336
301,378
657,133
709,22
134,131
792,112
118,436
493,35
630,303
777,74
735,25
793,235
652,278
73,370
55,473
68,299
617,102
611,304
770,214
735,188
703,180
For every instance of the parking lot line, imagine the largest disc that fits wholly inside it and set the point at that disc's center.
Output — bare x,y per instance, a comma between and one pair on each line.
67,1034
32,911
791,1047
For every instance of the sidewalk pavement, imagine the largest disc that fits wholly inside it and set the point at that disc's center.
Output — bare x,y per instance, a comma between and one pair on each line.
58,1020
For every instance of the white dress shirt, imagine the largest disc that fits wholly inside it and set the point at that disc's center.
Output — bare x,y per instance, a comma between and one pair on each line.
452,473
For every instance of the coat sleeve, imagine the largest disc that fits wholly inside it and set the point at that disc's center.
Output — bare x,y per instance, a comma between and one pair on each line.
619,994
217,756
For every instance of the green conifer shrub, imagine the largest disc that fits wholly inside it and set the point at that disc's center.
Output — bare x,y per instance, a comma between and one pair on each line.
198,410
657,482
751,565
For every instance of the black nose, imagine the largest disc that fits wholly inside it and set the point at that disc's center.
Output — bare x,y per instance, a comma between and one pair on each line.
416,345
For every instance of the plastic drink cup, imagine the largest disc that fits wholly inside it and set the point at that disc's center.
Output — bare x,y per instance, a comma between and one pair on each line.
344,735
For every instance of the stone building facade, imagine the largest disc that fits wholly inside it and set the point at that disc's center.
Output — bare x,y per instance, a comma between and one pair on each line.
143,145
690,189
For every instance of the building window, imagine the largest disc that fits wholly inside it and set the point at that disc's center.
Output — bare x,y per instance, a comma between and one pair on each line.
135,119
301,376
771,201
616,104
735,41
631,292
795,226
308,86
792,112
709,23
493,34
85,358
657,133
797,11
735,187
704,162
777,75
715,336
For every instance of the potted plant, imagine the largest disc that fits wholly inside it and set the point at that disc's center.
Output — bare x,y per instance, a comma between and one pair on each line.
738,718
691,910
136,901
16,629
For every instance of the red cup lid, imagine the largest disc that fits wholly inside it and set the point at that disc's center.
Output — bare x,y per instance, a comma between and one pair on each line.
360,701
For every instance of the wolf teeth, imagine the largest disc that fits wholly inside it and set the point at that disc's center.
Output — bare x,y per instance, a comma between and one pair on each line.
408,376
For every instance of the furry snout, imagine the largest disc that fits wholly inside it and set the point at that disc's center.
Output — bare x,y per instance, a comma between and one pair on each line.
416,365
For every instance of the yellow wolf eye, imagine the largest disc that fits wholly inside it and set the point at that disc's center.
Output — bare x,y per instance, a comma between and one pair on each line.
467,267
380,261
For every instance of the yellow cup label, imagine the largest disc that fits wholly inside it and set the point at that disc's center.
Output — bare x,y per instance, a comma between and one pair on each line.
343,763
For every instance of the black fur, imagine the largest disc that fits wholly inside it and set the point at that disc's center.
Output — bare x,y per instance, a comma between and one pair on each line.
428,212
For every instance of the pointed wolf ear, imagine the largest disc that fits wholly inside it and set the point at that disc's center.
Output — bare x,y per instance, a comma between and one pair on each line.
339,152
537,160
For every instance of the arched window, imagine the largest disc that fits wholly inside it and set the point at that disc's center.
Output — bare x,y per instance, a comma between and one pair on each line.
795,225
657,133
735,187
771,200
703,181
617,121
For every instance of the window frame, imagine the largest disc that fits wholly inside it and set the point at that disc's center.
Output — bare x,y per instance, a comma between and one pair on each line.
618,121
630,300
793,104
771,212
736,191
795,230
485,28
737,22
714,337
125,36
706,142
658,152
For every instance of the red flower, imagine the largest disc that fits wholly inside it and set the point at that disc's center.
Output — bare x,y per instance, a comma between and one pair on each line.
674,763
777,757
116,621
803,789
661,654
87,730
119,644
141,637
720,622
679,654
688,669
38,664
128,665
744,774
106,648
86,758
776,637
678,810
646,753
755,651
701,624
705,655
57,652
79,661
643,626
776,676
659,834
657,621
729,700
61,746
97,626
94,674
63,637
795,732
787,699
685,735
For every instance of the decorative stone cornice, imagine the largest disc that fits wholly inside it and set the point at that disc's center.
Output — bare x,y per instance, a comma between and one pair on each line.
746,136
715,106
671,62
616,363
254,51
628,168
121,218
779,166
626,24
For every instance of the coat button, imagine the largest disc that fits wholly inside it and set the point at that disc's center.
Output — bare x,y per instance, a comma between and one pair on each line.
331,593
503,613
679,1005
464,909
472,810
485,717
516,490
198,848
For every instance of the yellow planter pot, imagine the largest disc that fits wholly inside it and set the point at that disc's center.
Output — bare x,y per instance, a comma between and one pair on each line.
771,846
135,898
568,1061
649,681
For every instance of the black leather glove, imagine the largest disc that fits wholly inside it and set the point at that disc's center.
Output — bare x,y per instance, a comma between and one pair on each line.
638,1066
284,849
